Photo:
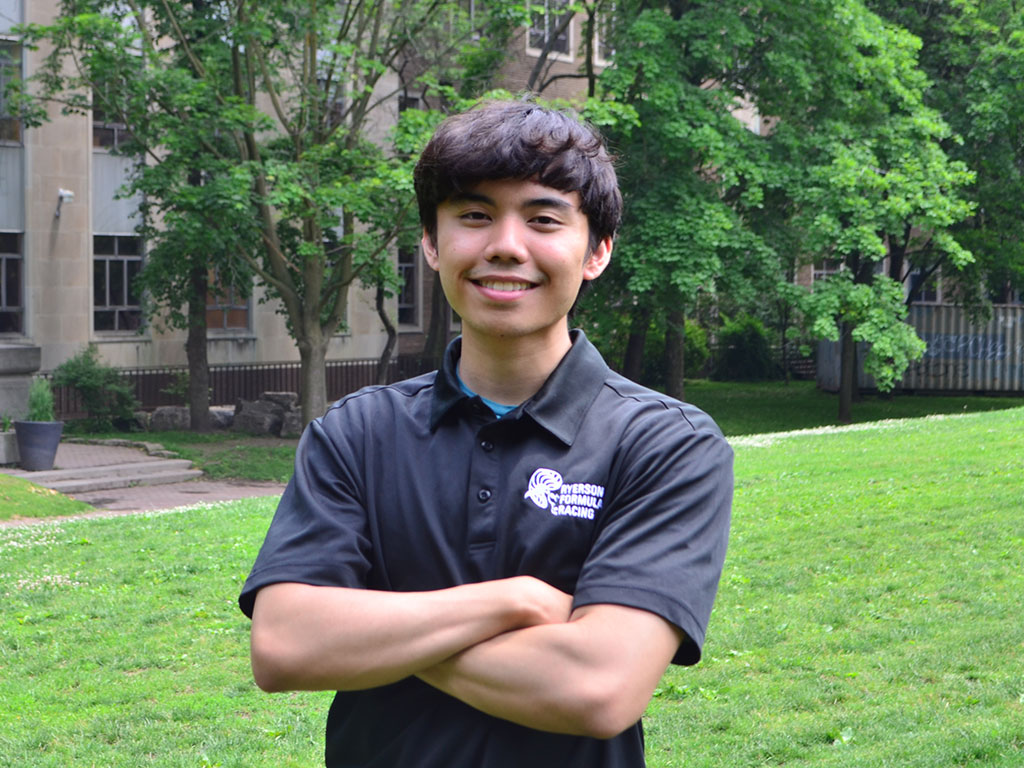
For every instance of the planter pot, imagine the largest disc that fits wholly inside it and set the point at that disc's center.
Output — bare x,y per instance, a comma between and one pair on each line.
8,447
37,443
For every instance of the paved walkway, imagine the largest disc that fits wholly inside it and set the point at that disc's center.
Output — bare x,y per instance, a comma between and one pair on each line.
143,498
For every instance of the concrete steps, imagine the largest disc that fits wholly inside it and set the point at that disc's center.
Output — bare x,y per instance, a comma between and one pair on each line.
106,477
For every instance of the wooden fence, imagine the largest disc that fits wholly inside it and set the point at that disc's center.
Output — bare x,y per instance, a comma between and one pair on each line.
231,383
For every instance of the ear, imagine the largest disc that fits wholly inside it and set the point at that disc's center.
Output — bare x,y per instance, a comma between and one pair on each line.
429,251
598,260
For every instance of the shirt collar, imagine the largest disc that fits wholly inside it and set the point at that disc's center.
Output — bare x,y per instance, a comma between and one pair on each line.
559,406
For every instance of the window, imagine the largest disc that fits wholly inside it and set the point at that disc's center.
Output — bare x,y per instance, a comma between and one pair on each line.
226,308
10,69
107,131
928,285
11,310
116,262
548,26
826,267
604,36
408,295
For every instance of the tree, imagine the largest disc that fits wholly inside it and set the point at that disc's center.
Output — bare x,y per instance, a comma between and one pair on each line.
279,105
861,162
973,54
691,173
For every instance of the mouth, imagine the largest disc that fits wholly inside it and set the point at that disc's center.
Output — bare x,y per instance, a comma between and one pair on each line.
504,286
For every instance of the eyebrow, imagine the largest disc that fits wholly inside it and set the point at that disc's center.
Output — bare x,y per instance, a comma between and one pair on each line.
536,202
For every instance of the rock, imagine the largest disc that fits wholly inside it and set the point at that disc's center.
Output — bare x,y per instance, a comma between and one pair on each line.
142,420
258,417
291,425
170,417
221,416
286,400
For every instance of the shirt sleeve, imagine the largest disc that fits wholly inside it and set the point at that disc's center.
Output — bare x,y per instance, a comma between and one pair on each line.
319,532
662,542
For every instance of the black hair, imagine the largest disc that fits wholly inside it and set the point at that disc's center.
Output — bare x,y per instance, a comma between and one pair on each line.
519,140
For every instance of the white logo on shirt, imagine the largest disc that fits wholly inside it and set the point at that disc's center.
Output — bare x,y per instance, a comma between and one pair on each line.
548,491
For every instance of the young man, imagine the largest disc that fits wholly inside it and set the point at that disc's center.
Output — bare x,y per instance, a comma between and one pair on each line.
493,564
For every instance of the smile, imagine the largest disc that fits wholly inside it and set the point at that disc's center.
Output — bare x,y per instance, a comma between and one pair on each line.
501,285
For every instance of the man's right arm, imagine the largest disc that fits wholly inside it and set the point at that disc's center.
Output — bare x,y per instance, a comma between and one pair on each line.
335,638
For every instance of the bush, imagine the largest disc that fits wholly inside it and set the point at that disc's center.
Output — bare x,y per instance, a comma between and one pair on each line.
695,350
744,352
107,397
40,401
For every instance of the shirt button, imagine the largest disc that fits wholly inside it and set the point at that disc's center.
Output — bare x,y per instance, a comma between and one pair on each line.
483,495
487,445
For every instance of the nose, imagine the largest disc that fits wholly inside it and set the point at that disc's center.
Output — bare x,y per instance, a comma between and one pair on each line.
507,241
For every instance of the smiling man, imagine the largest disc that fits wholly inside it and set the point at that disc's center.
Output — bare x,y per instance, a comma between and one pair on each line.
493,564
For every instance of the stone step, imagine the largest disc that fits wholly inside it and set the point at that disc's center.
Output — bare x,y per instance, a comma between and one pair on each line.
82,479
85,485
112,470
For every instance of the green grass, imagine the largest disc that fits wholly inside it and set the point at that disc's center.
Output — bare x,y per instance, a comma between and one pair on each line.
121,645
748,409
869,608
739,408
223,454
20,498
868,616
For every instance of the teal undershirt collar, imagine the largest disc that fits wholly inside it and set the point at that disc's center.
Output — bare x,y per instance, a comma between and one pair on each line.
498,408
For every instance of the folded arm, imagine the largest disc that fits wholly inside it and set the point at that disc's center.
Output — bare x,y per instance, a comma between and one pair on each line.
330,638
590,676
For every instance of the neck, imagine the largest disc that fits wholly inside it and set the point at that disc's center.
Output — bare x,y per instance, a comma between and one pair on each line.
510,371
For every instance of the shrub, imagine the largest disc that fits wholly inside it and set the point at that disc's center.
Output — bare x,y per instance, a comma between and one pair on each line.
40,401
107,397
695,350
744,352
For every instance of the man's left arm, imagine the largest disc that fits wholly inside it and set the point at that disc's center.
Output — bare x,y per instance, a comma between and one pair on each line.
590,676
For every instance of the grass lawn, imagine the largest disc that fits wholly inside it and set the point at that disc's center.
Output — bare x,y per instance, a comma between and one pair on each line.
20,498
739,408
747,409
868,616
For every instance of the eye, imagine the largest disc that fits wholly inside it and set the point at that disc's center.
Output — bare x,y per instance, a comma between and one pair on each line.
474,216
545,222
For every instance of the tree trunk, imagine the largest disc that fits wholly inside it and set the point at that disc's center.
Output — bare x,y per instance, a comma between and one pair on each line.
385,357
847,372
633,361
675,354
313,375
195,351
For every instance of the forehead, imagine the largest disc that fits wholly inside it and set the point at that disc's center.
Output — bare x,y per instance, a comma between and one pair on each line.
517,193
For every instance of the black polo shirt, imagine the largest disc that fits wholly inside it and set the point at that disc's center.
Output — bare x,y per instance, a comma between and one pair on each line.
602,488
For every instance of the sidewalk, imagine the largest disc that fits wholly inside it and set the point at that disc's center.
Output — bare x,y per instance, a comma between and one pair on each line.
141,498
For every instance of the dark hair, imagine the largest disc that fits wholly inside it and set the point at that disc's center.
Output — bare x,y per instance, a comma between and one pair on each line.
519,140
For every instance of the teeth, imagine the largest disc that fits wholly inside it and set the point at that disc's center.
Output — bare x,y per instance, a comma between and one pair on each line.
496,286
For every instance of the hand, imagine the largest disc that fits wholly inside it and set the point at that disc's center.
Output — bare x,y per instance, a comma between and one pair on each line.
540,602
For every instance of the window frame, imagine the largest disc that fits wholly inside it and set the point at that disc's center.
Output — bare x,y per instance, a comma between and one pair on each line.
550,18
217,300
7,257
125,309
16,67
410,295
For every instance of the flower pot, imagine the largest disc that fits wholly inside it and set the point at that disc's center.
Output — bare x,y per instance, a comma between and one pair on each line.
8,447
37,443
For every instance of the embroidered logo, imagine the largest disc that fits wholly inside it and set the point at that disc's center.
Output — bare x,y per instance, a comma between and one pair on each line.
548,490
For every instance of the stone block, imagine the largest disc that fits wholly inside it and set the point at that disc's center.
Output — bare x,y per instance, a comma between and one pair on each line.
291,425
170,417
258,417
284,399
221,416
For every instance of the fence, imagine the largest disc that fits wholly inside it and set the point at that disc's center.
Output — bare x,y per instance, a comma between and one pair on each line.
962,356
231,383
